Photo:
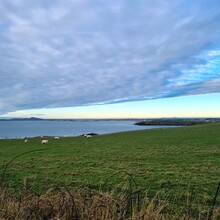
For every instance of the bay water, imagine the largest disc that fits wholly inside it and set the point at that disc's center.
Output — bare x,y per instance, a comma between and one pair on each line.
21,129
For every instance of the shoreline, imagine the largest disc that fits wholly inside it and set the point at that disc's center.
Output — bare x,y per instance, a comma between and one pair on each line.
81,135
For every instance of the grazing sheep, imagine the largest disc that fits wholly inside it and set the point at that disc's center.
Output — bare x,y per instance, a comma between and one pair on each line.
57,138
26,140
44,141
88,136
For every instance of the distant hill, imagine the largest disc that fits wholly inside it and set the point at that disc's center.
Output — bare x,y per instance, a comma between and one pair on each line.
22,119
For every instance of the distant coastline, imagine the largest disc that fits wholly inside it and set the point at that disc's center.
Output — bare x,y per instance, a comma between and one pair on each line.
138,121
70,119
177,122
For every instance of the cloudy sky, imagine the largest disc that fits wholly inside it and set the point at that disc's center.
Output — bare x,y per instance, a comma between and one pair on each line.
101,58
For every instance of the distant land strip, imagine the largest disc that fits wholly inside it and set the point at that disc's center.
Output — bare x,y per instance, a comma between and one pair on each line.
176,122
137,121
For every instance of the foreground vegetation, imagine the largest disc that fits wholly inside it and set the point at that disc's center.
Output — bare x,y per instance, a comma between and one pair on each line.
61,203
182,164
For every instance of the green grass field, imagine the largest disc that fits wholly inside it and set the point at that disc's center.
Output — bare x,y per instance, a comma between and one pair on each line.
174,159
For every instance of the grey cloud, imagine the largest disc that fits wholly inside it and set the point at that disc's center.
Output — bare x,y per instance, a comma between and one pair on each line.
73,53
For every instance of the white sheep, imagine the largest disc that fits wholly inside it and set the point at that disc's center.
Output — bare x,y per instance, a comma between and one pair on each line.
57,138
44,141
26,140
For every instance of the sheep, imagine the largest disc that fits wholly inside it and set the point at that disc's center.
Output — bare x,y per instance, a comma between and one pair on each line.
57,138
88,136
44,141
26,140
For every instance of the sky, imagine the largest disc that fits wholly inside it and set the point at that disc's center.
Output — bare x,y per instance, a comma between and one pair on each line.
109,59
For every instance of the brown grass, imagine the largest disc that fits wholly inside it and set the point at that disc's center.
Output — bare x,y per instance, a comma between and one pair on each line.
63,203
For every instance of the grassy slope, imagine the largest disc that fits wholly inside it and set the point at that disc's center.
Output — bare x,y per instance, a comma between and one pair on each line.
172,158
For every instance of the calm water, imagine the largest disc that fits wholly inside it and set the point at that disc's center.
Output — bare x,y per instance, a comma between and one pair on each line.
20,129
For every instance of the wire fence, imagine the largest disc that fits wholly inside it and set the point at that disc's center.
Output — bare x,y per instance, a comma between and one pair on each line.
132,198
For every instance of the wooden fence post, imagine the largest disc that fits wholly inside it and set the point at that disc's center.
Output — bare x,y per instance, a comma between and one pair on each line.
26,182
214,202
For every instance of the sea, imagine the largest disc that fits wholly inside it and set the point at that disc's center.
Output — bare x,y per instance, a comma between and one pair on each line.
22,129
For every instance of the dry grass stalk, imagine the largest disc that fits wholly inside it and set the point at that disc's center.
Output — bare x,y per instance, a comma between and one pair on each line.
62,203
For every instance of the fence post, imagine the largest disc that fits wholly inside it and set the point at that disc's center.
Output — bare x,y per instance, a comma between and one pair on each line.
189,206
26,182
214,202
130,195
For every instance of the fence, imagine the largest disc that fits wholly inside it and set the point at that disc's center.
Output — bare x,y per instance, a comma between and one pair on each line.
129,199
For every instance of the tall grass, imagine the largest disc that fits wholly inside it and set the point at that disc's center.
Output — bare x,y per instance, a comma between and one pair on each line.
63,202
